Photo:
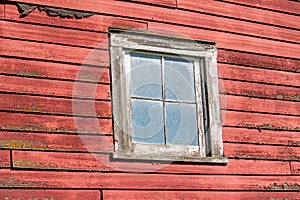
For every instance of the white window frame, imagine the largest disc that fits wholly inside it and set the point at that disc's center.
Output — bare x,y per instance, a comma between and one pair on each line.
204,53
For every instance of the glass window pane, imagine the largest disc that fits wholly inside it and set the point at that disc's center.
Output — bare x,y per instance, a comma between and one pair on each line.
147,121
181,124
179,78
145,76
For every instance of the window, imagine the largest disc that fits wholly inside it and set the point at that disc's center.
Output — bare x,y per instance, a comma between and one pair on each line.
165,98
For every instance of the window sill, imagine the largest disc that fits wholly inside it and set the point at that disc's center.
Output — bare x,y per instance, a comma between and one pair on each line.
151,158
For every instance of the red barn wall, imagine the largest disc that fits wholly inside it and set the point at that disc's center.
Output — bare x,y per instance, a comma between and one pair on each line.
43,154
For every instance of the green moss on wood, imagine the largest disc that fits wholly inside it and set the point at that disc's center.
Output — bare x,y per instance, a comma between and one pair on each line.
18,183
29,164
88,76
39,127
20,144
28,73
283,187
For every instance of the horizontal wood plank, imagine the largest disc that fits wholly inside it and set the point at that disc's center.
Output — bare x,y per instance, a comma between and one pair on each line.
263,152
182,17
98,162
54,88
13,194
259,75
262,61
99,23
52,52
276,5
53,124
5,159
244,135
229,41
55,142
242,12
98,180
59,161
259,90
55,106
251,104
171,3
52,70
209,195
53,34
261,121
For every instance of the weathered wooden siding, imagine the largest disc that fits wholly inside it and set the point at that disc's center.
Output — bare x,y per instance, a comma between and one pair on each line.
43,153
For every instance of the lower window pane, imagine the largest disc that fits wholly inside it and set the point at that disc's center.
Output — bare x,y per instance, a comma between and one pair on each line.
181,124
147,121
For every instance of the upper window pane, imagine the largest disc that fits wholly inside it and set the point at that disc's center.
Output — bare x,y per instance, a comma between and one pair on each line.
145,76
179,80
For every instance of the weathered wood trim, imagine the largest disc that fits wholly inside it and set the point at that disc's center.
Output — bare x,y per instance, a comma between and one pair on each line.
120,103
134,39
214,113
124,41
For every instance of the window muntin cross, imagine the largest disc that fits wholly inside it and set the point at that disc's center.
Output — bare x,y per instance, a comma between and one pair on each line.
163,98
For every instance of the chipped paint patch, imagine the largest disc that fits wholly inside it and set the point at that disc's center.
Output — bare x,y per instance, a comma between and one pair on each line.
20,144
26,9
297,129
89,76
28,73
252,93
30,126
279,96
35,108
287,97
26,164
283,187
294,143
264,126
14,182
29,164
